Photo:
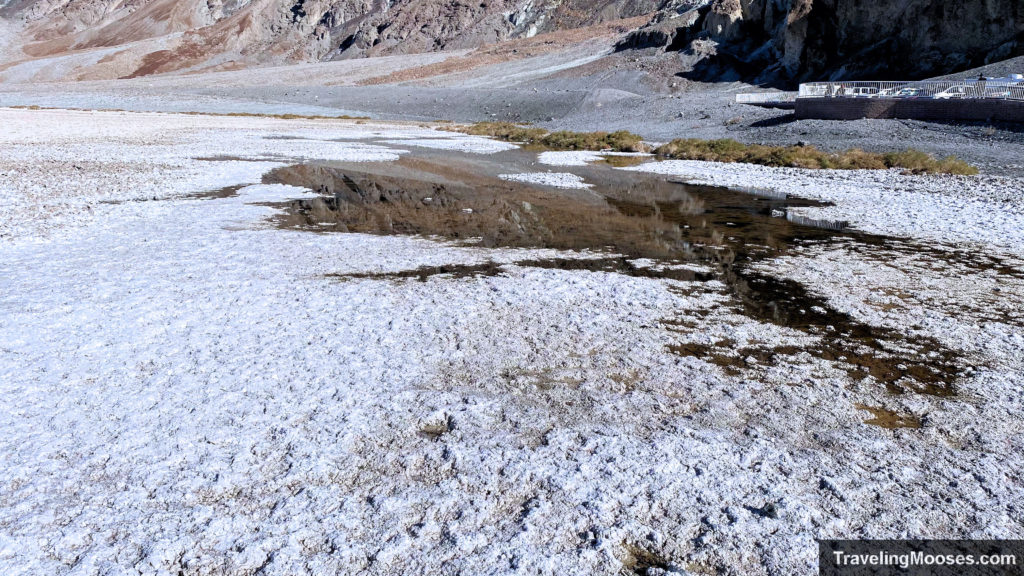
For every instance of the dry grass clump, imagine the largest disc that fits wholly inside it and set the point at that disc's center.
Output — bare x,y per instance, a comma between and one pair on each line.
727,150
506,131
921,163
621,141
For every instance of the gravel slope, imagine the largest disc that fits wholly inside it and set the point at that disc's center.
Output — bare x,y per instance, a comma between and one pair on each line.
575,86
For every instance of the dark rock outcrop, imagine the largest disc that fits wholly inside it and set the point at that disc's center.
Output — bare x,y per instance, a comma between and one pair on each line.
787,40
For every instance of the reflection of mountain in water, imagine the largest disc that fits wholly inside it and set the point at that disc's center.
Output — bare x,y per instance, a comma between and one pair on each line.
631,216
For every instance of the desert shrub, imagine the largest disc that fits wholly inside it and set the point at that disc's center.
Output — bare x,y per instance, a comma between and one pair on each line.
506,131
620,141
911,160
919,162
623,141
727,150
954,165
564,140
857,159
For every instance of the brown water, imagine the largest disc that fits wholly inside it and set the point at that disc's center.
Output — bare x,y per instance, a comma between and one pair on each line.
628,216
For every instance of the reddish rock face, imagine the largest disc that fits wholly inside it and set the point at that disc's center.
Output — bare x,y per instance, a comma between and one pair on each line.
784,39
263,31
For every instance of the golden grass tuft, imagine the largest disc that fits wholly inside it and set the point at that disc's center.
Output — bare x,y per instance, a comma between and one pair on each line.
506,131
621,141
727,150
921,163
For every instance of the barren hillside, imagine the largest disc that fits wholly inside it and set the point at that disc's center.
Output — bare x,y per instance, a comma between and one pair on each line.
753,40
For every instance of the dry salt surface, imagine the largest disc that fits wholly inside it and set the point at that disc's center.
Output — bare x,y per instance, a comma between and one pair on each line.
475,144
554,179
581,158
188,391
965,289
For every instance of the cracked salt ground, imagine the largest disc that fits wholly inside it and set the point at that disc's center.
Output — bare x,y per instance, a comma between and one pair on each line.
188,390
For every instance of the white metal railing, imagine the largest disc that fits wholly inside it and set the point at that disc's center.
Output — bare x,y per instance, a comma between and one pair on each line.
1001,88
765,97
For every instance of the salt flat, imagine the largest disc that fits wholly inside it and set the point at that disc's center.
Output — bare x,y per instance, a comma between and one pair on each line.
191,389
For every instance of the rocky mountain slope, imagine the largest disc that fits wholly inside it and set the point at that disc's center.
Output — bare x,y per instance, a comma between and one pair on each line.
790,39
213,32
762,40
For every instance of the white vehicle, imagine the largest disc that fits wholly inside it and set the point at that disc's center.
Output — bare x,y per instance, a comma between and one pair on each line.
817,90
860,92
957,92
911,92
892,92
1001,87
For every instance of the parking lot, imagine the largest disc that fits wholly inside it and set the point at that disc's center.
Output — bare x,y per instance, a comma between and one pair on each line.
1005,88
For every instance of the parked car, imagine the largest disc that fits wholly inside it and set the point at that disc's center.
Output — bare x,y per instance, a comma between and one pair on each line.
997,87
957,92
860,92
888,92
815,90
1013,90
911,93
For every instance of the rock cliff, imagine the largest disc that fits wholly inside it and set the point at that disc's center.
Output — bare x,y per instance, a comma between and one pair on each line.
801,39
308,29
763,40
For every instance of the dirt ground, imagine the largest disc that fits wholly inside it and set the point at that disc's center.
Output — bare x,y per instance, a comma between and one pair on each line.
569,80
